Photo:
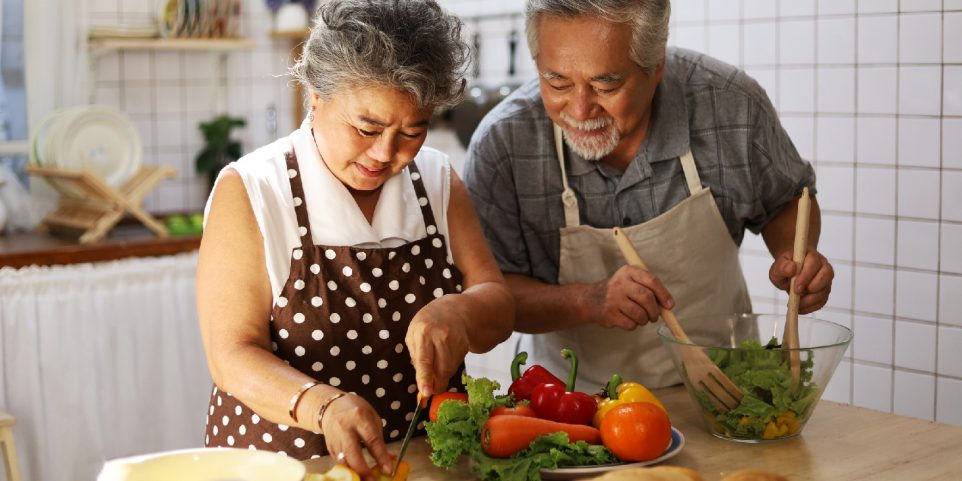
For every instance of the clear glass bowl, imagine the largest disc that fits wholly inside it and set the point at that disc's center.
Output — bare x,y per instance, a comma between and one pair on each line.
770,409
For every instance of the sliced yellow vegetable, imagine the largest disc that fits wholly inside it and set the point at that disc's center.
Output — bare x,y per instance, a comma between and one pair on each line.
339,472
400,475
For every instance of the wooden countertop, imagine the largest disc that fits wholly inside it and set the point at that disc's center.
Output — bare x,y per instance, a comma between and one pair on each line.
840,442
24,249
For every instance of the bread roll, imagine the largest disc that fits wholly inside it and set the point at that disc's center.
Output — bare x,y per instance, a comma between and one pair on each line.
754,475
659,473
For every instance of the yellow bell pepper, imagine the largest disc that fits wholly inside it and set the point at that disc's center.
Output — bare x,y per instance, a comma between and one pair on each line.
619,392
633,392
605,404
784,424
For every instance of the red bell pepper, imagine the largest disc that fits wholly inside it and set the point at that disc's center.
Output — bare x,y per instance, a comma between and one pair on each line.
523,384
560,402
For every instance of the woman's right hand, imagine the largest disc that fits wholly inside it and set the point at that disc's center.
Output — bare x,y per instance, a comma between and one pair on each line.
349,423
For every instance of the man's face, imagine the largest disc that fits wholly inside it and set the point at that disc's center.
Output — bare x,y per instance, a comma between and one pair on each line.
590,86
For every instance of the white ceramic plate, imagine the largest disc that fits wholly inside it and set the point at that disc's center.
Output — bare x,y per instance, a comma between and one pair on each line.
577,472
205,465
41,137
97,139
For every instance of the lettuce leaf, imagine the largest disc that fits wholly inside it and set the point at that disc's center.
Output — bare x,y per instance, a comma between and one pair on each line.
765,379
458,432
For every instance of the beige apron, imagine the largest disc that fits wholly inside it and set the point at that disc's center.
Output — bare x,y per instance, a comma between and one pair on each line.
688,248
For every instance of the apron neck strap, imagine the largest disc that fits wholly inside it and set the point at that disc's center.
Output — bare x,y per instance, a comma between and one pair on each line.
429,223
572,217
691,173
300,203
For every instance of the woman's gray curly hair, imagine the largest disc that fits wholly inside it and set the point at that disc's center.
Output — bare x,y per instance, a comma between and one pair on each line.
410,45
648,20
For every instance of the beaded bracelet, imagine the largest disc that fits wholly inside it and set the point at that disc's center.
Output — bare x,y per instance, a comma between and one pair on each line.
320,412
296,398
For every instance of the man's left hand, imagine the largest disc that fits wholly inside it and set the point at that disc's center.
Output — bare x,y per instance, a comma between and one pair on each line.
813,284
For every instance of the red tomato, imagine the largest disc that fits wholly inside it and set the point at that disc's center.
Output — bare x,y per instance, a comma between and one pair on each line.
520,410
437,399
636,431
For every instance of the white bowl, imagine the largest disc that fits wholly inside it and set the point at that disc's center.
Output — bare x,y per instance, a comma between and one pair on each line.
211,464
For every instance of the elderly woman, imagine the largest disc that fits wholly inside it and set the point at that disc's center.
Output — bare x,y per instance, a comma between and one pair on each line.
342,268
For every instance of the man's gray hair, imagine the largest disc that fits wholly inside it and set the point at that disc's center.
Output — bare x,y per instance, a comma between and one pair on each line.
410,45
648,20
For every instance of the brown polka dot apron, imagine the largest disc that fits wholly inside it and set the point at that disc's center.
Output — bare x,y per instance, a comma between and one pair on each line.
341,318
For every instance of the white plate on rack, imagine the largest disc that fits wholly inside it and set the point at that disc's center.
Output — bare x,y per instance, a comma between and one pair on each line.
97,139
41,136
578,472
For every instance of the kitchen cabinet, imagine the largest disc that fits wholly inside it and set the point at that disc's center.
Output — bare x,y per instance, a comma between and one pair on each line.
839,442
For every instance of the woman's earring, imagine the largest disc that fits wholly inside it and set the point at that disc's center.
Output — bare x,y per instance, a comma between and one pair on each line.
310,115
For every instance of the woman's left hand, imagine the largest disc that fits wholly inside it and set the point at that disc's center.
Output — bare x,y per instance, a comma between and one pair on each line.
813,284
438,342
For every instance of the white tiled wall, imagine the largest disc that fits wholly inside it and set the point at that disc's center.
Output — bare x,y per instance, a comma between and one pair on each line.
871,92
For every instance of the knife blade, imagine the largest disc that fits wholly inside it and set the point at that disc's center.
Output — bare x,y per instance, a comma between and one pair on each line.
407,436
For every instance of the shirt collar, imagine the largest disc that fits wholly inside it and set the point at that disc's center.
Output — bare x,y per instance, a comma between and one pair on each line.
333,210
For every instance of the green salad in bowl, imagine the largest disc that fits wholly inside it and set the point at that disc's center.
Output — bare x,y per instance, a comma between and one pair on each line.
746,347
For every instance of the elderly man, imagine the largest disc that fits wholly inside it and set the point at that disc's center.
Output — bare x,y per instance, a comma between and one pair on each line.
679,149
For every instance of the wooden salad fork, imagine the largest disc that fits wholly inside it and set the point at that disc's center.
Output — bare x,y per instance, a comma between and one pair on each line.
724,394
790,336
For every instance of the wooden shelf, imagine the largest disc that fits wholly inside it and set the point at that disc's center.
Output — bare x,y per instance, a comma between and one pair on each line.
171,44
25,249
291,34
99,47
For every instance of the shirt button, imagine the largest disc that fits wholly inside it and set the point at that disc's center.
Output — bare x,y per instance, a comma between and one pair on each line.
627,221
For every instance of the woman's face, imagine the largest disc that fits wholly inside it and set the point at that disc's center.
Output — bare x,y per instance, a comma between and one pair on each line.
366,135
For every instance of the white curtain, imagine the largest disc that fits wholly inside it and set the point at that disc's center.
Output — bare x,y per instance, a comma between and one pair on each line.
55,55
101,361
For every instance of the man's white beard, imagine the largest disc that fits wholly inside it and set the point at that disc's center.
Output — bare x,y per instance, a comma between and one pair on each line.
593,147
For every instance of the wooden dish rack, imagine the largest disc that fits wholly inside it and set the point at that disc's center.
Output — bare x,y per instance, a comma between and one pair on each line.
89,208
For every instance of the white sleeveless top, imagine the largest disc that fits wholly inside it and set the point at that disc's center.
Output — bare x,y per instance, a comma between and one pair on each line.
334,215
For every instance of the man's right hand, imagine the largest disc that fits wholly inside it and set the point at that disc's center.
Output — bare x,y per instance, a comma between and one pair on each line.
630,298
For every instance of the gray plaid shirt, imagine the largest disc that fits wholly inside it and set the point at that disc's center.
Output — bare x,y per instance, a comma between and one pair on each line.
741,152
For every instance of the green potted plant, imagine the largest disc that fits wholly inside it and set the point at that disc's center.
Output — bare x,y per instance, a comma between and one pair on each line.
220,150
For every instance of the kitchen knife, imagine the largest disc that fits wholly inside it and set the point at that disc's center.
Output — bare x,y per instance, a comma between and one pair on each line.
411,427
